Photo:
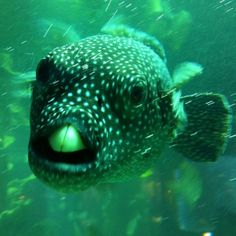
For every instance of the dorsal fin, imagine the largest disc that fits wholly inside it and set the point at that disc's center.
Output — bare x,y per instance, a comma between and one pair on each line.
126,31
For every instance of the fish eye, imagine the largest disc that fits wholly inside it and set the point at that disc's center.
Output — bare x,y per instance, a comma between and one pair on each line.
43,71
138,94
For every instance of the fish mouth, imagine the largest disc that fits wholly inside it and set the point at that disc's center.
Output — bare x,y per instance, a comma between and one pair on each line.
62,149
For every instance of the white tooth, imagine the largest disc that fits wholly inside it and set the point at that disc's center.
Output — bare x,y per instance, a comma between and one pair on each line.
66,139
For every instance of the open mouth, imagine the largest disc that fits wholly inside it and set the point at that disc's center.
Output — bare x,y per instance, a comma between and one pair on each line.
64,145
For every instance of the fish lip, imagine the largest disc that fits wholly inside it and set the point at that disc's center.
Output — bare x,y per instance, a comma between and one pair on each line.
42,150
60,176
39,162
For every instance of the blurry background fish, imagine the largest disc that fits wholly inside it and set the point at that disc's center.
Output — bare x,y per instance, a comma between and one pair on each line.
206,196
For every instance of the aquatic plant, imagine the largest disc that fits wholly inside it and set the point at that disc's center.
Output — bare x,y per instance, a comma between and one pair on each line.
15,197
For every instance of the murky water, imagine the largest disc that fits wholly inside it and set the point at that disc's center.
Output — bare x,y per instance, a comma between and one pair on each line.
178,197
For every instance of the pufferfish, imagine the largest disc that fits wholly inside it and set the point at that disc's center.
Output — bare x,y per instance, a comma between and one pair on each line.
104,108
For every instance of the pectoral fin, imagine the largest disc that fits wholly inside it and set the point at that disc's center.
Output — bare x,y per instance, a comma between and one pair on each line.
208,127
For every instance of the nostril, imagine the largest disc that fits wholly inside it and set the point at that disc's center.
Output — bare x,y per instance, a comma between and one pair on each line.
43,71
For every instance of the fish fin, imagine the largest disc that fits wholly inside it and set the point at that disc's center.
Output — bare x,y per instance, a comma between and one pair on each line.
185,72
25,78
24,84
126,31
209,124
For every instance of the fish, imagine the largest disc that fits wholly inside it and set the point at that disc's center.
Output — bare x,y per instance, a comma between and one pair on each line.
223,199
104,108
207,212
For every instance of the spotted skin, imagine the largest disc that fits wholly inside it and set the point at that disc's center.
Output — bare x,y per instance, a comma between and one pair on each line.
118,94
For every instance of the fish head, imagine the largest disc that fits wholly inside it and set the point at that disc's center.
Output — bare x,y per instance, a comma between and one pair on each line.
98,113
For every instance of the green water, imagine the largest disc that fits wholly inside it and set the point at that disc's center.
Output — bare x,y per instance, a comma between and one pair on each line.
178,197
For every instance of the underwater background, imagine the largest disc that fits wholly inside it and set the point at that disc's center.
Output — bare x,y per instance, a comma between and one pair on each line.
176,198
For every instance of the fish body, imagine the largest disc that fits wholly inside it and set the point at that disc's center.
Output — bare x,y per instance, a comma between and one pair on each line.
102,111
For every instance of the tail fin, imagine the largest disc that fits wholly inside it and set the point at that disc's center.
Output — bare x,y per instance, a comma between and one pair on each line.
209,124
